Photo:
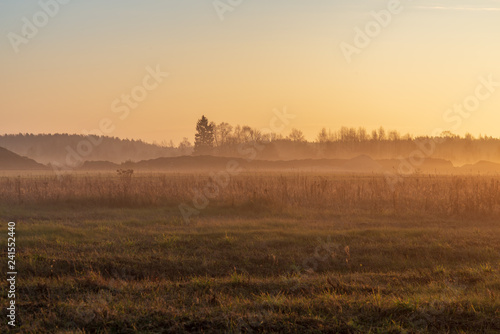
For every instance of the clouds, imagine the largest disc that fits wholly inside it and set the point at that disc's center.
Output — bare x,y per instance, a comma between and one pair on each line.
460,8
428,5
473,6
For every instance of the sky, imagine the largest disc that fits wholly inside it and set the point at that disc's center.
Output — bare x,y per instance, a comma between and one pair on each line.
149,69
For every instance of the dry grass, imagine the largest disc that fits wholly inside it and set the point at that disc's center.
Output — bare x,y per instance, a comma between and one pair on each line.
476,196
272,253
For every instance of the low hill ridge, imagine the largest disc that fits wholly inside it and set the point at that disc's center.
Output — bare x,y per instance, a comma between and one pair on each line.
12,161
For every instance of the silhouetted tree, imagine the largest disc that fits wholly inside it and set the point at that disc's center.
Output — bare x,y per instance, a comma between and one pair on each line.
362,135
222,133
204,137
381,134
185,146
324,136
296,136
394,135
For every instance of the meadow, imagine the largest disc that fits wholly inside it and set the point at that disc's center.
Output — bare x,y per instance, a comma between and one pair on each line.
291,252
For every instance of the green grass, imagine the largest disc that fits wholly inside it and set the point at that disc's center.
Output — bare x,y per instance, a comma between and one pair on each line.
96,269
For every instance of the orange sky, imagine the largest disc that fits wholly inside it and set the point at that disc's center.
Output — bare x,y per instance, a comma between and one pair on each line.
263,55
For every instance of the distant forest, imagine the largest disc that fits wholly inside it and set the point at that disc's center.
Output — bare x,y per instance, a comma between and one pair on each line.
225,140
47,148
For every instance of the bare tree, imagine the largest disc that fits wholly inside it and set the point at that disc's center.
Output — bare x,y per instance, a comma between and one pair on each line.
381,134
222,132
296,136
325,137
185,147
362,134
394,135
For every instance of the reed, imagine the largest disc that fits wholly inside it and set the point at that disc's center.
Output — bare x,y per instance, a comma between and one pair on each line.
346,194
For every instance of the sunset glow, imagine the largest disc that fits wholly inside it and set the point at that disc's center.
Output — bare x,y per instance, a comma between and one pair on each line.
262,55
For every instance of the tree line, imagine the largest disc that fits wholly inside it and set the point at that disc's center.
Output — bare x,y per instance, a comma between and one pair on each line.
223,139
346,142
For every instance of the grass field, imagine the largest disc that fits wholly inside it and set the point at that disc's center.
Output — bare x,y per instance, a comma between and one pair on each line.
282,252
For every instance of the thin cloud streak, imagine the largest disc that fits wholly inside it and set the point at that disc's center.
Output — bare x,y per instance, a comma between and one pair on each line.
460,8
477,9
477,6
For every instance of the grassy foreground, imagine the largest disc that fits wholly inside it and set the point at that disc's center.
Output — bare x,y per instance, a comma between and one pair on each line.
87,268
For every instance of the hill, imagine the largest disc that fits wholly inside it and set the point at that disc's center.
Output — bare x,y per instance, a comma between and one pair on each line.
12,161
482,167
360,164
